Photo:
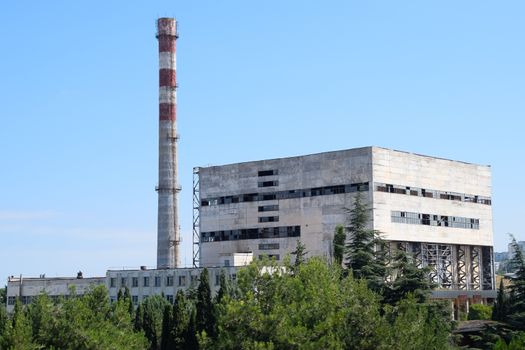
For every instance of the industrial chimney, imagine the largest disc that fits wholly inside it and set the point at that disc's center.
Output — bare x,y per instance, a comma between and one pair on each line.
168,235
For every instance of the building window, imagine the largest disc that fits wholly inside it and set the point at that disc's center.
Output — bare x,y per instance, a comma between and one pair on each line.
233,276
251,233
298,193
112,282
146,282
268,172
169,297
434,220
135,299
268,208
134,281
217,279
268,219
182,280
11,300
268,183
112,299
123,281
157,281
169,281
193,279
268,246
227,262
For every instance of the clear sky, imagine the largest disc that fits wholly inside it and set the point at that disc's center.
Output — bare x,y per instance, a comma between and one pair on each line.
258,79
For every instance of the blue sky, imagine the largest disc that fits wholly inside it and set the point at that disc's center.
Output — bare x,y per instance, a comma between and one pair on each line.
265,79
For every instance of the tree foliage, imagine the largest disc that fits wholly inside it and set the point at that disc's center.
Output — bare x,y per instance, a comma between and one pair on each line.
339,244
365,251
205,314
317,308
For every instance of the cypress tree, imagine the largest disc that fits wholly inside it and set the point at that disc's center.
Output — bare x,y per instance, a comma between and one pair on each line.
167,341
517,289
181,321
225,287
139,316
339,244
501,307
205,316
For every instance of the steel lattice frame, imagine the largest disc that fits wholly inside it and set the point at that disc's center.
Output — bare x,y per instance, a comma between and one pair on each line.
196,218
462,272
444,266
430,258
487,268
475,268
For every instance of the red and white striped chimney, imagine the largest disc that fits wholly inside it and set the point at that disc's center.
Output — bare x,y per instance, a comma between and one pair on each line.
168,233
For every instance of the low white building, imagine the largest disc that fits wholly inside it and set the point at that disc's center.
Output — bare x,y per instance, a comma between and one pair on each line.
27,288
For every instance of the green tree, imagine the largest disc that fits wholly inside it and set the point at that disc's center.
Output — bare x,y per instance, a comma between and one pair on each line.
501,306
365,251
407,279
205,315
226,289
299,254
315,308
139,317
167,341
153,311
480,312
339,244
3,295
19,335
516,317
181,323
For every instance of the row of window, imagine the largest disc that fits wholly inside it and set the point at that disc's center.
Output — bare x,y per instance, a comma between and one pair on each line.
157,281
422,192
268,172
268,246
268,183
268,219
434,220
300,193
251,233
274,207
28,299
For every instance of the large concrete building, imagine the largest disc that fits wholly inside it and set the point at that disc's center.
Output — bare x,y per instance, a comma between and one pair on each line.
439,210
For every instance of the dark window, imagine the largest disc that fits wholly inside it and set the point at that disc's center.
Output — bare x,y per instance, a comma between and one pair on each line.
169,281
268,246
267,172
146,282
268,183
269,219
157,281
268,208
134,281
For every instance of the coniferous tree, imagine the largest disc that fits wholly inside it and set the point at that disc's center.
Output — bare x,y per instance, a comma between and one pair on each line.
299,253
190,340
167,342
501,306
407,279
339,244
19,335
365,251
205,315
139,316
517,299
225,287
153,308
181,321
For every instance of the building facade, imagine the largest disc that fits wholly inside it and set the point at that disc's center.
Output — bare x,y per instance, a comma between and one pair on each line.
26,289
438,210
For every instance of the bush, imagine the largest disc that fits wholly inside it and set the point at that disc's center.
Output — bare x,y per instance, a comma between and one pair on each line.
480,312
